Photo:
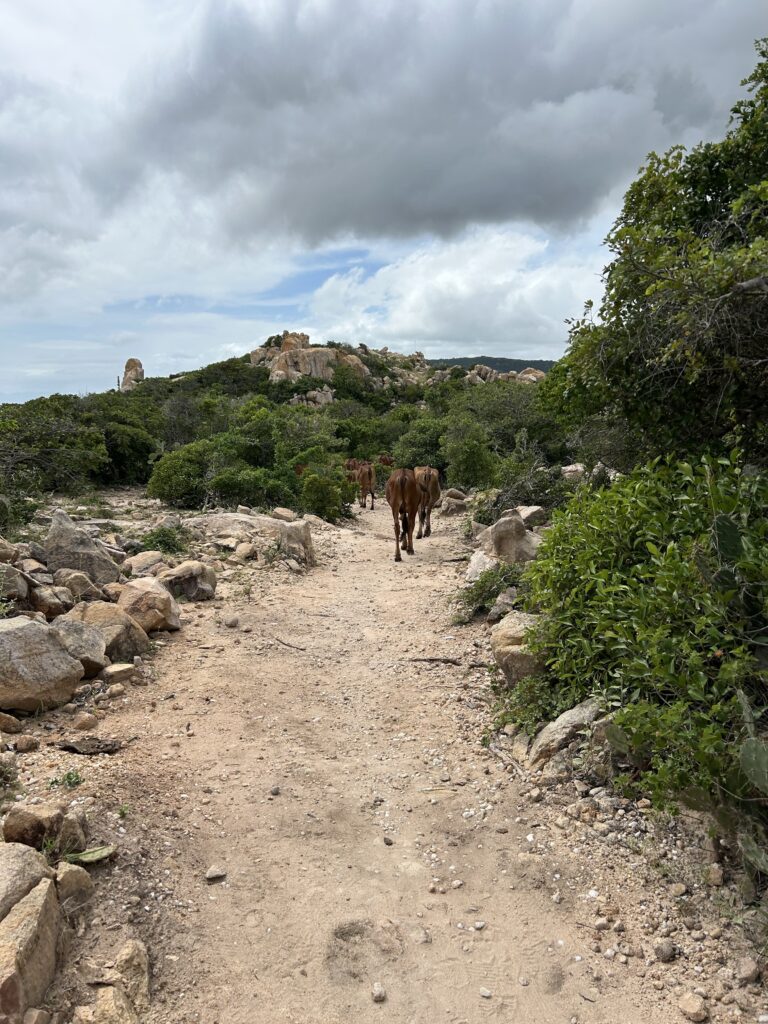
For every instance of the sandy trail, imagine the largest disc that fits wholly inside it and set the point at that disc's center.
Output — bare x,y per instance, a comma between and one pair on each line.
365,745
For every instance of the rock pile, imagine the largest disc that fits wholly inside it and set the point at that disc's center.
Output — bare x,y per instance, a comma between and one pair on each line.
481,374
292,357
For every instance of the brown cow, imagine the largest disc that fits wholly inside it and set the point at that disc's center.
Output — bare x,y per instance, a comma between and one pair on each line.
429,484
403,495
352,464
386,460
366,477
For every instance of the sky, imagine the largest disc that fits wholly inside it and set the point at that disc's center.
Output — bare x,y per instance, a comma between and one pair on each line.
180,179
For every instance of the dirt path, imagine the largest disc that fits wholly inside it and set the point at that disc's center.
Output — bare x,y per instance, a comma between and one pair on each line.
391,853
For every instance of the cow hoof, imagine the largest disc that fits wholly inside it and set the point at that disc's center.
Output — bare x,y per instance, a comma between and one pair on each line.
411,551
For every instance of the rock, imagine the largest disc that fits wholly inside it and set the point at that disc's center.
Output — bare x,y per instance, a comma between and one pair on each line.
478,564
145,562
503,604
21,869
112,591
116,690
69,548
292,540
452,506
26,744
112,1006
485,993
51,601
509,540
693,1007
215,873
9,724
678,889
29,940
71,838
150,603
84,721
574,473
665,950
132,374
14,586
123,636
454,492
511,653
520,746
122,672
37,1017
747,971
378,992
32,824
132,964
8,552
78,584
532,515
74,886
287,515
193,580
557,734
83,642
36,670
246,551
231,621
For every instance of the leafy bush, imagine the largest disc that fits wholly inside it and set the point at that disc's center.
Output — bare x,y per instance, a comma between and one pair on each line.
654,596
326,494
467,453
170,539
181,477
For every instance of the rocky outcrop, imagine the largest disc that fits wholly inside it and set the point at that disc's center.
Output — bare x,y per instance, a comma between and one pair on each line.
509,648
150,603
294,357
21,869
78,584
478,564
509,540
83,642
67,547
145,563
192,580
123,636
132,375
228,529
574,473
36,670
317,397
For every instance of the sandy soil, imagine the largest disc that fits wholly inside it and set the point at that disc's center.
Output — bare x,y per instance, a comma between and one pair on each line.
366,835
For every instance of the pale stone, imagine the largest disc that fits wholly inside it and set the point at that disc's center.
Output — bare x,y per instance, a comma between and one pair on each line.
150,603
29,939
67,547
36,670
123,636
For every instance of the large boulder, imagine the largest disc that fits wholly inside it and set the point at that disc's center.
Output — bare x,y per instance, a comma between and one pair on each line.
13,584
192,580
509,647
78,584
558,734
51,601
123,636
574,473
83,642
132,375
29,946
36,670
452,506
509,540
532,515
145,562
478,564
21,868
150,604
67,547
8,552
33,824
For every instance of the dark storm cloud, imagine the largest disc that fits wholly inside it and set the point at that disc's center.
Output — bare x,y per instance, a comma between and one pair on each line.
398,118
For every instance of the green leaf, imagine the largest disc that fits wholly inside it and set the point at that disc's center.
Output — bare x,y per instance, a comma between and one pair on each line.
92,856
756,855
754,763
727,538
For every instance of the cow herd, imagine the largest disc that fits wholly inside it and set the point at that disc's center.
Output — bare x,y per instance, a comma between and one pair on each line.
411,494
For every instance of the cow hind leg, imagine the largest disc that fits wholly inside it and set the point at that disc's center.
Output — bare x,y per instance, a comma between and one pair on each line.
422,517
398,556
428,517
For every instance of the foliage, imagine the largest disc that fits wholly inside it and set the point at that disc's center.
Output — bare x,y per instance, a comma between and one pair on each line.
654,598
466,452
481,595
679,347
172,540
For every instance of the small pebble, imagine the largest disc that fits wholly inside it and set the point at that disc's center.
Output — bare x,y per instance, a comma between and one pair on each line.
485,993
378,992
215,873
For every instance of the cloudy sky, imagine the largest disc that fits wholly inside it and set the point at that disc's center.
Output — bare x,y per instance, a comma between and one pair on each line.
180,179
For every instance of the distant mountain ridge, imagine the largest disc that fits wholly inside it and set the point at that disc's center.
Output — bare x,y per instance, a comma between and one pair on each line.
499,363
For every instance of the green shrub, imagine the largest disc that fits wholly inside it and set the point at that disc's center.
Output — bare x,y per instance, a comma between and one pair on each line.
170,539
181,477
326,493
467,454
653,594
481,595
